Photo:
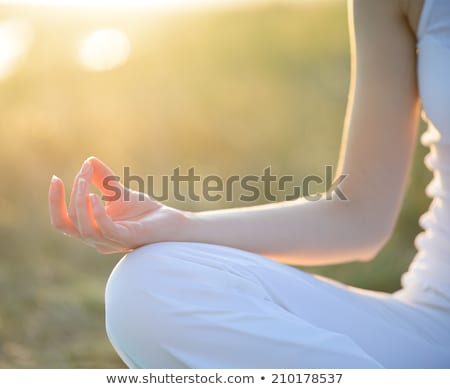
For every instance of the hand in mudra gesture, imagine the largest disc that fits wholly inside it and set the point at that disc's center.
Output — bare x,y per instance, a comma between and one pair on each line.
127,220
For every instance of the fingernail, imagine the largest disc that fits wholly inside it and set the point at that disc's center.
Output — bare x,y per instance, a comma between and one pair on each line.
54,178
85,169
93,198
81,185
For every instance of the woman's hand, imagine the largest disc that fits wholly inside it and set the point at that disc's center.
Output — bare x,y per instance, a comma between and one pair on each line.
128,220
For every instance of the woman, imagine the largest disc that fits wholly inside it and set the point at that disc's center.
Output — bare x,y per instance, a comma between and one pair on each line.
198,290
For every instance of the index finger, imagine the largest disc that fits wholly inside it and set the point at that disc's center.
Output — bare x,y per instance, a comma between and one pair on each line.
59,217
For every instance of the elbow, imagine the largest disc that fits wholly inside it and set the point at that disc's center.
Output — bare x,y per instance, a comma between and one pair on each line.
375,240
372,224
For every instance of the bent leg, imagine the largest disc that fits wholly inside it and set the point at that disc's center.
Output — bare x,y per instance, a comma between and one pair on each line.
194,305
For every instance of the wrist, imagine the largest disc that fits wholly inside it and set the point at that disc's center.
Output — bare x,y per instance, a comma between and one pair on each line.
186,227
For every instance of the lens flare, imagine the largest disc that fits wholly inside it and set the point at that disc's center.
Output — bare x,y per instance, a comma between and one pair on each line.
104,50
15,40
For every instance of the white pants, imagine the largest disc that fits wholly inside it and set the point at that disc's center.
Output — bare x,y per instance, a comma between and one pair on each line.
195,305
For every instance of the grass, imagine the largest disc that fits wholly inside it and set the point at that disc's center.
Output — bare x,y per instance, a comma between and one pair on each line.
228,92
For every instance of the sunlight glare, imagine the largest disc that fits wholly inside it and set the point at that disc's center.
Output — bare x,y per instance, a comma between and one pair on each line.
15,40
104,50
159,4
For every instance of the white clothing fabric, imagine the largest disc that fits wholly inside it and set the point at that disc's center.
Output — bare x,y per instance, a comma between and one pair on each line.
428,279
196,305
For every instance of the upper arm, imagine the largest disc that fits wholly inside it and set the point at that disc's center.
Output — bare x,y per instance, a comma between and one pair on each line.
382,113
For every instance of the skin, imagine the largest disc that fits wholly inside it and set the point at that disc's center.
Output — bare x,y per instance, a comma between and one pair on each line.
376,153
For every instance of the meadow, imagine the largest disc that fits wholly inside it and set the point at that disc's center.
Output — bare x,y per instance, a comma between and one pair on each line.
229,92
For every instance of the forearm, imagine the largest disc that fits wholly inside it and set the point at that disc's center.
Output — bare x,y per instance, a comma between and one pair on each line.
298,232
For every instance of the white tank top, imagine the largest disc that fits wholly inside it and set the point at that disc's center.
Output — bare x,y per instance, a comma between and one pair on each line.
428,278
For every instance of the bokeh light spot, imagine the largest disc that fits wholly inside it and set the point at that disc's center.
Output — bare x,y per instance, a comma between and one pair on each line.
15,40
104,50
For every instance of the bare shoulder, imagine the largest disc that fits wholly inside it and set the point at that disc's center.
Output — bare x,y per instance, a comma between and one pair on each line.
381,12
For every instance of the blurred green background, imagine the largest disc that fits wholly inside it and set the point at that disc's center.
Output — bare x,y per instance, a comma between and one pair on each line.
229,92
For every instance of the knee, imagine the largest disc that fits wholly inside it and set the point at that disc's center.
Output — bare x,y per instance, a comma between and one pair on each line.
148,295
178,271
138,314
154,292
133,271
154,268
